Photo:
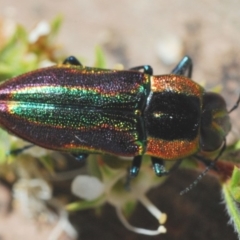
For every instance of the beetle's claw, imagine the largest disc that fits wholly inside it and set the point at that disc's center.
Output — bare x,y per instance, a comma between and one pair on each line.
133,172
160,170
80,156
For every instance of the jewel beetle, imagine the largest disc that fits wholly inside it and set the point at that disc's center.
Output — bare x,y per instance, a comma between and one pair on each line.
82,110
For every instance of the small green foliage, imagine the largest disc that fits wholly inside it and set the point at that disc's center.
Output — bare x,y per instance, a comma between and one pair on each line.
56,25
24,51
231,195
83,205
100,60
4,145
13,57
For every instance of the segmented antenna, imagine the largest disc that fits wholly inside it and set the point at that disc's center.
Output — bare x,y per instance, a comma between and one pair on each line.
235,106
209,167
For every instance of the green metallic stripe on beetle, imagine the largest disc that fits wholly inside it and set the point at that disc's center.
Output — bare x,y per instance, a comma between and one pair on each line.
104,138
72,117
76,96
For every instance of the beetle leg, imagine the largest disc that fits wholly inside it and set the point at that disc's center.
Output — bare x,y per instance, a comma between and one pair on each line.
145,68
185,66
136,164
175,166
80,156
72,60
20,150
235,106
158,166
206,161
210,165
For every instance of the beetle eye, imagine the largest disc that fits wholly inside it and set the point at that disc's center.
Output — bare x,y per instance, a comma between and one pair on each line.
215,122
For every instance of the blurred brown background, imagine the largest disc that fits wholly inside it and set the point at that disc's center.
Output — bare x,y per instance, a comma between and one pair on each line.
157,33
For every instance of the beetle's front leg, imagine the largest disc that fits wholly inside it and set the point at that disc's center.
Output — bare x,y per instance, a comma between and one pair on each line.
183,67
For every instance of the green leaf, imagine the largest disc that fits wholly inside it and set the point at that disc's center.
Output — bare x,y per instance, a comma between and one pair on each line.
231,196
100,60
82,205
234,185
4,146
56,25
13,56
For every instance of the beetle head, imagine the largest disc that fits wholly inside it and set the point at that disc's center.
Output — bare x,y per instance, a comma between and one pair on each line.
215,122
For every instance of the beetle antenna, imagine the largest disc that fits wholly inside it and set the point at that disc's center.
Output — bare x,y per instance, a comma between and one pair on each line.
197,180
203,173
235,106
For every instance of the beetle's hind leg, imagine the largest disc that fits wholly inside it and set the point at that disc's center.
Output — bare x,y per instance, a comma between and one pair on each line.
184,67
20,150
81,157
72,60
